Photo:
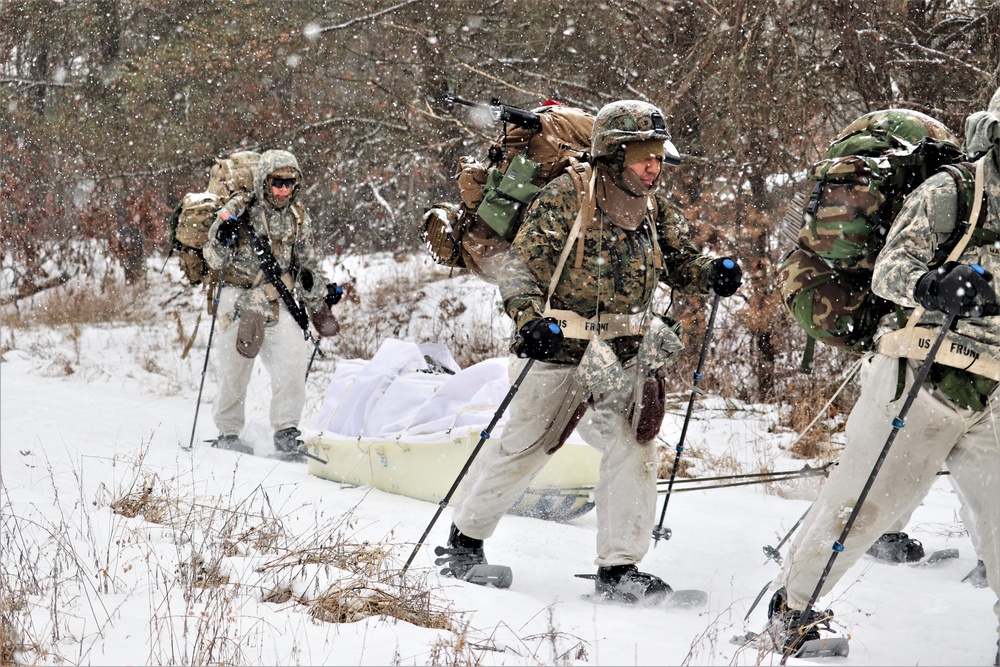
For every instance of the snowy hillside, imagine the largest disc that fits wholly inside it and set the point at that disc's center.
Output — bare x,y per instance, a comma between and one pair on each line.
119,547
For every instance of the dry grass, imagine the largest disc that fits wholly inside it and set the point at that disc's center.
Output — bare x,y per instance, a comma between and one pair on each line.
372,589
77,303
360,598
817,410
413,304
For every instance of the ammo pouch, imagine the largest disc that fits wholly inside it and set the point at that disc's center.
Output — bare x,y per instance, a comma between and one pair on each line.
250,335
506,194
659,346
965,389
649,400
650,408
599,371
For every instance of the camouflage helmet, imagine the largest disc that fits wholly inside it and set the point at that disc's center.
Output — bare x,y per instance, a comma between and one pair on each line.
890,131
625,121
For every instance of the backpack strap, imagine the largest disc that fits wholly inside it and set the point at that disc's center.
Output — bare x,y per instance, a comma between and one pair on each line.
588,206
583,175
910,343
965,183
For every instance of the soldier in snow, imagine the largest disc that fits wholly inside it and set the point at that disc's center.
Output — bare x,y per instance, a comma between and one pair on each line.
254,317
578,283
952,420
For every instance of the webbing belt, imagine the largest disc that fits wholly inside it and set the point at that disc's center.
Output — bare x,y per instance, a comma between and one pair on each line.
957,351
606,326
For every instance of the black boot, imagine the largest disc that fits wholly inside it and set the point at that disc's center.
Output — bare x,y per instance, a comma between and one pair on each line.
232,443
625,583
896,548
789,628
287,440
462,553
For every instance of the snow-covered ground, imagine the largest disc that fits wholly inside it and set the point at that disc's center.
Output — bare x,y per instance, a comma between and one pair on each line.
92,415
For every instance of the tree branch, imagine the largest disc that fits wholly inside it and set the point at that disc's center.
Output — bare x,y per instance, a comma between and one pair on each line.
369,17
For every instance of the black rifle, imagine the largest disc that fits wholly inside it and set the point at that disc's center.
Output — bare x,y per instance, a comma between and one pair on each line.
529,120
272,271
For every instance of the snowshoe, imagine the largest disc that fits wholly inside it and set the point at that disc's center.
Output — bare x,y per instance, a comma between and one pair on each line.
977,577
232,443
465,559
896,548
287,441
794,633
625,583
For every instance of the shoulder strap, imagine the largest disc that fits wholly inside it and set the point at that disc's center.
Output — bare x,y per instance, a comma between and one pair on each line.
969,228
584,187
965,184
583,175
271,270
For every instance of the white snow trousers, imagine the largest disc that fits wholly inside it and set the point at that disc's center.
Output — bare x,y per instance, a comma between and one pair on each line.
285,356
625,495
936,433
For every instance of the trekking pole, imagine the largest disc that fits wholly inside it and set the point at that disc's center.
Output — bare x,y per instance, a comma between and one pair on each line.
659,531
897,424
313,357
484,436
772,554
208,348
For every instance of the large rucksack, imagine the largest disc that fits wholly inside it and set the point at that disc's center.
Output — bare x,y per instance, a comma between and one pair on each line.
189,222
841,226
476,233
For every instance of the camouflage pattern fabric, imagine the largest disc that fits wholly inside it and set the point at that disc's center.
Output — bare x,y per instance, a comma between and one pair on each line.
290,232
927,219
857,190
617,274
623,122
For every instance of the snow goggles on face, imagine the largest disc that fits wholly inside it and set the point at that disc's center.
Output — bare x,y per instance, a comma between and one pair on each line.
283,182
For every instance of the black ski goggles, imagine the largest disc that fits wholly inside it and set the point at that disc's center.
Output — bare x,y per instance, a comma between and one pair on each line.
283,182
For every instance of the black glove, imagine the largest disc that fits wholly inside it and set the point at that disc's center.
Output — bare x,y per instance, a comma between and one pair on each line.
334,292
539,338
724,276
957,289
226,234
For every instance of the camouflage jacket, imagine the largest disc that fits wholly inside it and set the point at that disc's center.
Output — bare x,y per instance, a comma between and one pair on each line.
618,274
289,230
928,216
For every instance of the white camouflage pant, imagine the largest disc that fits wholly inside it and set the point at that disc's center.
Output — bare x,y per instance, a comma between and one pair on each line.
285,356
625,495
936,433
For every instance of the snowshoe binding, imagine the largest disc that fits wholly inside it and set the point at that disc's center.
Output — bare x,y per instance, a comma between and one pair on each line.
896,548
465,559
287,442
233,443
796,634
625,583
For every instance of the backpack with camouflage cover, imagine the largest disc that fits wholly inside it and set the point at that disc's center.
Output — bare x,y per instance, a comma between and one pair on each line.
188,224
838,231
475,234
